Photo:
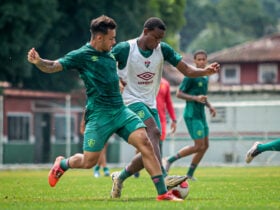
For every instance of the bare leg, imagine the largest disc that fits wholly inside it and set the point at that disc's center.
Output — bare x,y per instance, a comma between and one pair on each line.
154,135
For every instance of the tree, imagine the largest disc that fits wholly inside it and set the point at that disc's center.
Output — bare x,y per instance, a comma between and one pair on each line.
223,23
20,27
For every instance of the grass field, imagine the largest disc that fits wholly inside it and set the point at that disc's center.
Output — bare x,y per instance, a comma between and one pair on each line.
217,188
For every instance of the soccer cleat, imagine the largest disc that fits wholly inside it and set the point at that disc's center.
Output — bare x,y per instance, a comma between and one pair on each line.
117,185
137,174
252,152
166,164
192,178
96,173
56,172
168,196
172,181
106,172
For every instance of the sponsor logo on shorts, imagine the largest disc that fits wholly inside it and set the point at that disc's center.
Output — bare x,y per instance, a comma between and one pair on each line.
141,114
200,84
199,132
91,142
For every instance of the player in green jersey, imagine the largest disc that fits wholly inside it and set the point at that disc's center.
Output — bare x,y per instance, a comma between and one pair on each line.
194,92
140,66
105,111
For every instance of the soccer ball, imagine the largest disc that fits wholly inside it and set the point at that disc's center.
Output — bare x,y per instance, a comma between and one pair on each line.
181,190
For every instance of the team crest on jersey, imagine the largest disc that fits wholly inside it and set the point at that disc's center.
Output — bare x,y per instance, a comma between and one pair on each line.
94,58
147,63
146,75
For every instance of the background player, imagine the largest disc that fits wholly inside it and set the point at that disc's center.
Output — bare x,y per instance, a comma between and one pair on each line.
194,92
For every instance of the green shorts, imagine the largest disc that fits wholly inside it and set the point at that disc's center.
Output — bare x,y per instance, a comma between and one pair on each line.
144,112
198,128
100,125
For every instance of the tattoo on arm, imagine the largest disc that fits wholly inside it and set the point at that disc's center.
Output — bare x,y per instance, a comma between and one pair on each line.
49,66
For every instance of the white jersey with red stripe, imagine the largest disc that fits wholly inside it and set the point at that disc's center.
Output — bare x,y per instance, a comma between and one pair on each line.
142,75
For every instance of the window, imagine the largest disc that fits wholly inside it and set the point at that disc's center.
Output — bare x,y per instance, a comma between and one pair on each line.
220,115
19,126
60,128
231,74
267,73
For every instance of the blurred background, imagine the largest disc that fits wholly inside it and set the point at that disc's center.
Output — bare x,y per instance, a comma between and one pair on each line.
40,113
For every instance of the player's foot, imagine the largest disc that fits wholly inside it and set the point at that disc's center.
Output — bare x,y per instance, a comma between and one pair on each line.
117,185
136,175
252,152
172,181
106,172
96,173
56,172
168,196
166,164
192,178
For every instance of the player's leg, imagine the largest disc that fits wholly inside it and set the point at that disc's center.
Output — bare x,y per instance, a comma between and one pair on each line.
85,161
259,147
201,147
197,133
106,170
133,131
140,141
197,157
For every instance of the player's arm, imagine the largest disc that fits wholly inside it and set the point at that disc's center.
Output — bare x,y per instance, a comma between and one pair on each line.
175,59
191,71
47,66
211,108
200,98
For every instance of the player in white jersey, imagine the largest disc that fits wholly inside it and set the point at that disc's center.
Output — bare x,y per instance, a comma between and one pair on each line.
140,66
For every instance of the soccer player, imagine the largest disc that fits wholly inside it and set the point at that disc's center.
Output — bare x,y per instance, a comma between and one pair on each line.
105,111
194,92
165,105
259,147
140,66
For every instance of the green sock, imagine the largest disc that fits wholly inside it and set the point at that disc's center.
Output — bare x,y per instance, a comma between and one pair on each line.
270,146
164,173
174,158
159,184
124,174
64,164
106,169
96,168
191,169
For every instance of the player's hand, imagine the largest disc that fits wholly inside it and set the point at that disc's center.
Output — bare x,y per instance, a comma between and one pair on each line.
212,111
33,56
173,127
213,68
200,98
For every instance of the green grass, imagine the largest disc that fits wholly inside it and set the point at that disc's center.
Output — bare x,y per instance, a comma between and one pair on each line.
217,188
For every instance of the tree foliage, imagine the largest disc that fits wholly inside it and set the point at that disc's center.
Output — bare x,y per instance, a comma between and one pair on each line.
214,25
55,27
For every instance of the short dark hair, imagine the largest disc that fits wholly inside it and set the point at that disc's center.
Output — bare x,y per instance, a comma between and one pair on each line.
153,23
199,52
102,24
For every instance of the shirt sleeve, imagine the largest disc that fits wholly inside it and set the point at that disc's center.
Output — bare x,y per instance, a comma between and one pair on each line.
185,84
120,52
170,55
71,61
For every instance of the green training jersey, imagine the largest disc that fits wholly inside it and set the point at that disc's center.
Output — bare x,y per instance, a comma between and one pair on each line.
194,86
99,73
121,51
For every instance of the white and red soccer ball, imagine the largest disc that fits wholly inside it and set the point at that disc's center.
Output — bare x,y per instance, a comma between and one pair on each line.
181,190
